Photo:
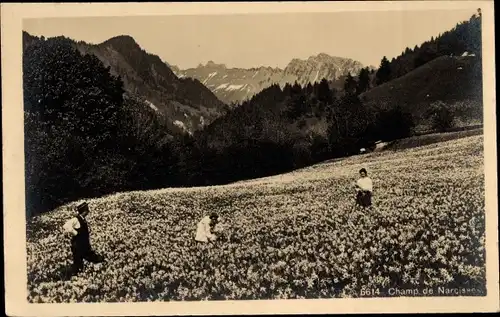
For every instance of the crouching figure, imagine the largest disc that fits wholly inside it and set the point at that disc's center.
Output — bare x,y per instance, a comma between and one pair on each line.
206,228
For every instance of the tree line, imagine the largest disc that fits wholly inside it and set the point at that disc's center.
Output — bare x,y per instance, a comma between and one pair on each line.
464,37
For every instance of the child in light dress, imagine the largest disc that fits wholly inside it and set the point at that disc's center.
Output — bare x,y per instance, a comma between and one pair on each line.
207,228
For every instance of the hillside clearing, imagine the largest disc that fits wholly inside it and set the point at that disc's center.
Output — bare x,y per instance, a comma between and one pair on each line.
453,80
431,138
286,236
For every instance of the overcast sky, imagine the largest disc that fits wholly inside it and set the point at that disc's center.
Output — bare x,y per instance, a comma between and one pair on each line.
262,39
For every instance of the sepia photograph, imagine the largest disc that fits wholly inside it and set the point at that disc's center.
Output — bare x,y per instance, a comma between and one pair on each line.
248,154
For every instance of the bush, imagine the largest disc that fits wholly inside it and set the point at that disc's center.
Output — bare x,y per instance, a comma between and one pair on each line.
441,116
394,124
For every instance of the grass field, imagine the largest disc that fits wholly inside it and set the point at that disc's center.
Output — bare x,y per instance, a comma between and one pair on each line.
287,236
431,138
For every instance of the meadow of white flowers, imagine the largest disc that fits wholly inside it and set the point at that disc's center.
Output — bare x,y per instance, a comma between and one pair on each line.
286,236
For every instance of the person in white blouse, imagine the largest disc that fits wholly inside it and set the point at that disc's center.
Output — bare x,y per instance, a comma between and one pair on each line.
364,188
78,229
206,228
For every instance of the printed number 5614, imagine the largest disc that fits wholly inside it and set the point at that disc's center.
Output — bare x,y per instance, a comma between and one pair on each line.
369,292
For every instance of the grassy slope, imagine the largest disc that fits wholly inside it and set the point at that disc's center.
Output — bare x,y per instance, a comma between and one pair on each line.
438,80
447,79
432,138
303,219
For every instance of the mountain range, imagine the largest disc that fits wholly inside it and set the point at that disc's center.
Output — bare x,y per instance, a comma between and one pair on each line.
193,98
234,85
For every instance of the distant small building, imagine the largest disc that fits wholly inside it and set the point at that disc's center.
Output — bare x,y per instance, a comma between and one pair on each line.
467,54
379,145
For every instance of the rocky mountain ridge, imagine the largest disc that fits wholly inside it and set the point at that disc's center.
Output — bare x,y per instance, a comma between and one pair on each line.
234,85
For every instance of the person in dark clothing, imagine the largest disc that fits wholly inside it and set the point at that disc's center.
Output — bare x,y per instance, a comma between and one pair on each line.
80,241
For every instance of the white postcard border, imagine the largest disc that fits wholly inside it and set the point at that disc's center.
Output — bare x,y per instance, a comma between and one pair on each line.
13,156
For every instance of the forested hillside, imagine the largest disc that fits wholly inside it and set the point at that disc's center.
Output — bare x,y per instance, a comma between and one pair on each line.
186,103
84,136
464,37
